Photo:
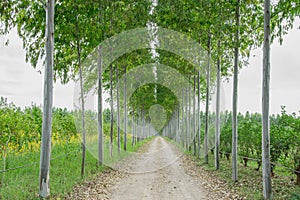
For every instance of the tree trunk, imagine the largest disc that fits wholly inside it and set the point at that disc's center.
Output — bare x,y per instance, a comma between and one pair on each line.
194,115
267,187
125,112
47,107
100,121
118,111
132,128
189,117
82,121
183,122
138,124
111,111
217,136
178,124
100,105
234,102
198,116
143,122
207,102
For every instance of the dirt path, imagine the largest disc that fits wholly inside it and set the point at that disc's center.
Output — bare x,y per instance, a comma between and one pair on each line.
159,171
157,174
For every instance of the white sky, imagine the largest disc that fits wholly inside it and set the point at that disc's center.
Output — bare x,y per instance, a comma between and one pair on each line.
22,84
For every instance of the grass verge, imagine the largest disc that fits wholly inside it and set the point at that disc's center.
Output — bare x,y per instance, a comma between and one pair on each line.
65,171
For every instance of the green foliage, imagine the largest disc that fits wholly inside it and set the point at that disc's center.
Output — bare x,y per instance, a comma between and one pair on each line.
284,132
21,128
226,132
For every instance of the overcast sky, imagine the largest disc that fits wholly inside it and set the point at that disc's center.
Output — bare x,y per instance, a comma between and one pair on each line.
23,85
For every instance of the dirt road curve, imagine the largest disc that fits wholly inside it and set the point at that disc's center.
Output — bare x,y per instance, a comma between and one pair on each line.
157,174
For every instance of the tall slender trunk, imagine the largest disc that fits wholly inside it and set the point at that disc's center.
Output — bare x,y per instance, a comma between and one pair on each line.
111,110
186,119
100,121
82,120
189,116
132,125
139,131
234,103
178,124
217,136
136,129
100,86
148,128
125,112
111,92
207,101
118,111
194,115
78,44
267,187
183,121
198,115
47,107
143,121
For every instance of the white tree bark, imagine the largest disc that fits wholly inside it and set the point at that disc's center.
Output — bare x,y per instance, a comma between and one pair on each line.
183,138
118,111
198,116
234,102
217,136
267,187
194,115
100,120
44,190
82,118
207,102
125,111
111,110
189,116
132,125
186,119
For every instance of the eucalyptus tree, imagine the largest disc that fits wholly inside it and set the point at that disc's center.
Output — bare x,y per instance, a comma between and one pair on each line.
282,20
125,112
194,114
48,100
267,189
82,40
235,93
10,17
71,46
118,112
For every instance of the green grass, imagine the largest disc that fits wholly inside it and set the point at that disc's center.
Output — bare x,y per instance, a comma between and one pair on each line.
65,171
249,185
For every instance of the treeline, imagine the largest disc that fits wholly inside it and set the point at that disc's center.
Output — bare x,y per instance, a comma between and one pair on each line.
21,128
